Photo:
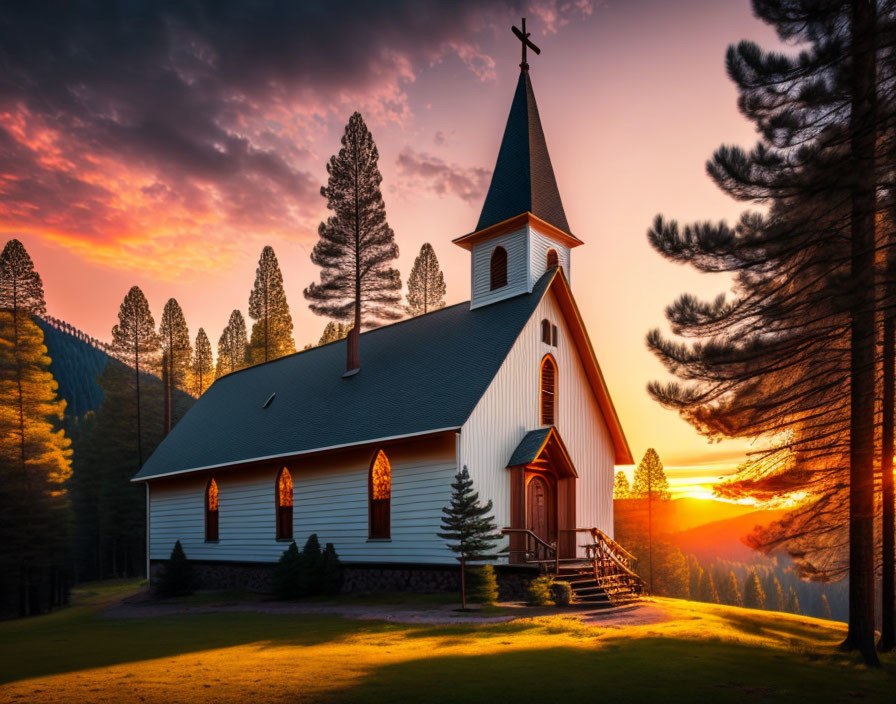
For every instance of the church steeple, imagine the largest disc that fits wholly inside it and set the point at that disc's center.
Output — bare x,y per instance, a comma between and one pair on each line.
522,230
523,179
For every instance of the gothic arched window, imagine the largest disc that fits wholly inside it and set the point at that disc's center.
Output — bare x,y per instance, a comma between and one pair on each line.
548,390
498,268
211,511
284,505
380,496
553,259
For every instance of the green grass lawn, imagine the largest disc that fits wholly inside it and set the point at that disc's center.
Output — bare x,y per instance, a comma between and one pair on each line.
701,653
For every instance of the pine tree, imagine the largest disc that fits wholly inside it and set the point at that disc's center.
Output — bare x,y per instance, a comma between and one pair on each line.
694,576
356,246
426,284
706,588
35,462
650,483
621,488
233,348
135,342
332,332
793,602
468,526
272,330
202,365
732,591
177,577
754,596
176,352
774,595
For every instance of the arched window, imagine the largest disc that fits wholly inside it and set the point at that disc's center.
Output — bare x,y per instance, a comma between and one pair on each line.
498,268
211,511
284,505
548,390
380,496
546,331
553,259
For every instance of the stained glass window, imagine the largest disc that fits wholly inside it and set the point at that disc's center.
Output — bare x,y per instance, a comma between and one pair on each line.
284,505
380,486
211,510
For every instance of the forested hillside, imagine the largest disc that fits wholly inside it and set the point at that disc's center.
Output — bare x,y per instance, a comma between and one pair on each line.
76,362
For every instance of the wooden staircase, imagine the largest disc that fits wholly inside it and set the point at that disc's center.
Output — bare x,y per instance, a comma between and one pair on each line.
604,578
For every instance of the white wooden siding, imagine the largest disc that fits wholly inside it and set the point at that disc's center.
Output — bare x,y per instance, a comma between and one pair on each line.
539,245
329,498
510,408
517,246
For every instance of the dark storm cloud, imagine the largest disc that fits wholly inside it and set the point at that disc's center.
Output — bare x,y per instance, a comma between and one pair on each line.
421,171
209,104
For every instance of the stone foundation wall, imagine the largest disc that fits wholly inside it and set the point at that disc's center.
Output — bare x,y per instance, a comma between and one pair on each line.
359,578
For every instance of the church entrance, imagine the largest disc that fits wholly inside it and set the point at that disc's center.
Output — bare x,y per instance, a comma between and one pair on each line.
540,517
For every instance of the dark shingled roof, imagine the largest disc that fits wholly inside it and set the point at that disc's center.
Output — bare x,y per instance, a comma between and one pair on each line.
419,375
523,180
527,451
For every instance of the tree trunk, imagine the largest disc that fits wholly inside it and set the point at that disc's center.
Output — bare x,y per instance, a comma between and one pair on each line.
888,558
860,635
463,583
137,378
166,382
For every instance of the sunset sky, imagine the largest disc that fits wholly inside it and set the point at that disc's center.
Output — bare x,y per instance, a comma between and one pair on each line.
166,148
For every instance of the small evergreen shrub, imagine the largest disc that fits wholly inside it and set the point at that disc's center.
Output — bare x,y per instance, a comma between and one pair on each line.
177,577
482,585
539,592
309,572
289,574
331,575
561,593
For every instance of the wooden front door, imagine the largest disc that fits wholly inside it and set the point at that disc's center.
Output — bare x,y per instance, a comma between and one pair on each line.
539,513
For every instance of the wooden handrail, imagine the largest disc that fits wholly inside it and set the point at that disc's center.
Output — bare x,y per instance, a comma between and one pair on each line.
538,541
597,532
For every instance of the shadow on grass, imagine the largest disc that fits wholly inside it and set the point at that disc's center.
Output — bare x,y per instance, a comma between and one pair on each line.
622,670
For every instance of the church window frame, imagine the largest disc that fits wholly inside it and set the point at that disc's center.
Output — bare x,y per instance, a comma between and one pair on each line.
212,512
547,390
498,268
284,494
546,331
379,497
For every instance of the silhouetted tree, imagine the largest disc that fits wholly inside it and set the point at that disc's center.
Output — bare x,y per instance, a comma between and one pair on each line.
426,284
135,342
793,351
468,526
175,342
272,330
621,488
754,596
332,332
650,484
233,347
356,246
202,366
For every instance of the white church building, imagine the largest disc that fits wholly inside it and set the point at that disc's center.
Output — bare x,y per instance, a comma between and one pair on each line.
506,384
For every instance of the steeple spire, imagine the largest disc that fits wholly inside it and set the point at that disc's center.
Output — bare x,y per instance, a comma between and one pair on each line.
523,179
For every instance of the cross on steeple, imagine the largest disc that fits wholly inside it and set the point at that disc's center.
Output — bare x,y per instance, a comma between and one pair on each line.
523,36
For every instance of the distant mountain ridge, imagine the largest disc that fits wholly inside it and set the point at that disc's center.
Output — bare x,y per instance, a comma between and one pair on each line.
723,539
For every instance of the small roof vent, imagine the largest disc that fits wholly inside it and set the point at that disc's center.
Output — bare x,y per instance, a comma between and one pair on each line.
270,400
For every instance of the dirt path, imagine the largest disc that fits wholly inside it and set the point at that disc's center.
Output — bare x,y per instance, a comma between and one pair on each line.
642,613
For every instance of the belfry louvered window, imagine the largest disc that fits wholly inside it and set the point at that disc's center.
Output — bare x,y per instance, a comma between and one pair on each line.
553,259
498,268
548,391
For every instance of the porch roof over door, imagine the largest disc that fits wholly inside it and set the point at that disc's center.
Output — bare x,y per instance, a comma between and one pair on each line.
542,449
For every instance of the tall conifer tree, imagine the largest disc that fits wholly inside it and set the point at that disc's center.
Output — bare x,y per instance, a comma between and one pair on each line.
357,283
233,347
333,331
754,596
136,343
650,484
426,284
621,488
35,455
272,331
202,366
176,352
